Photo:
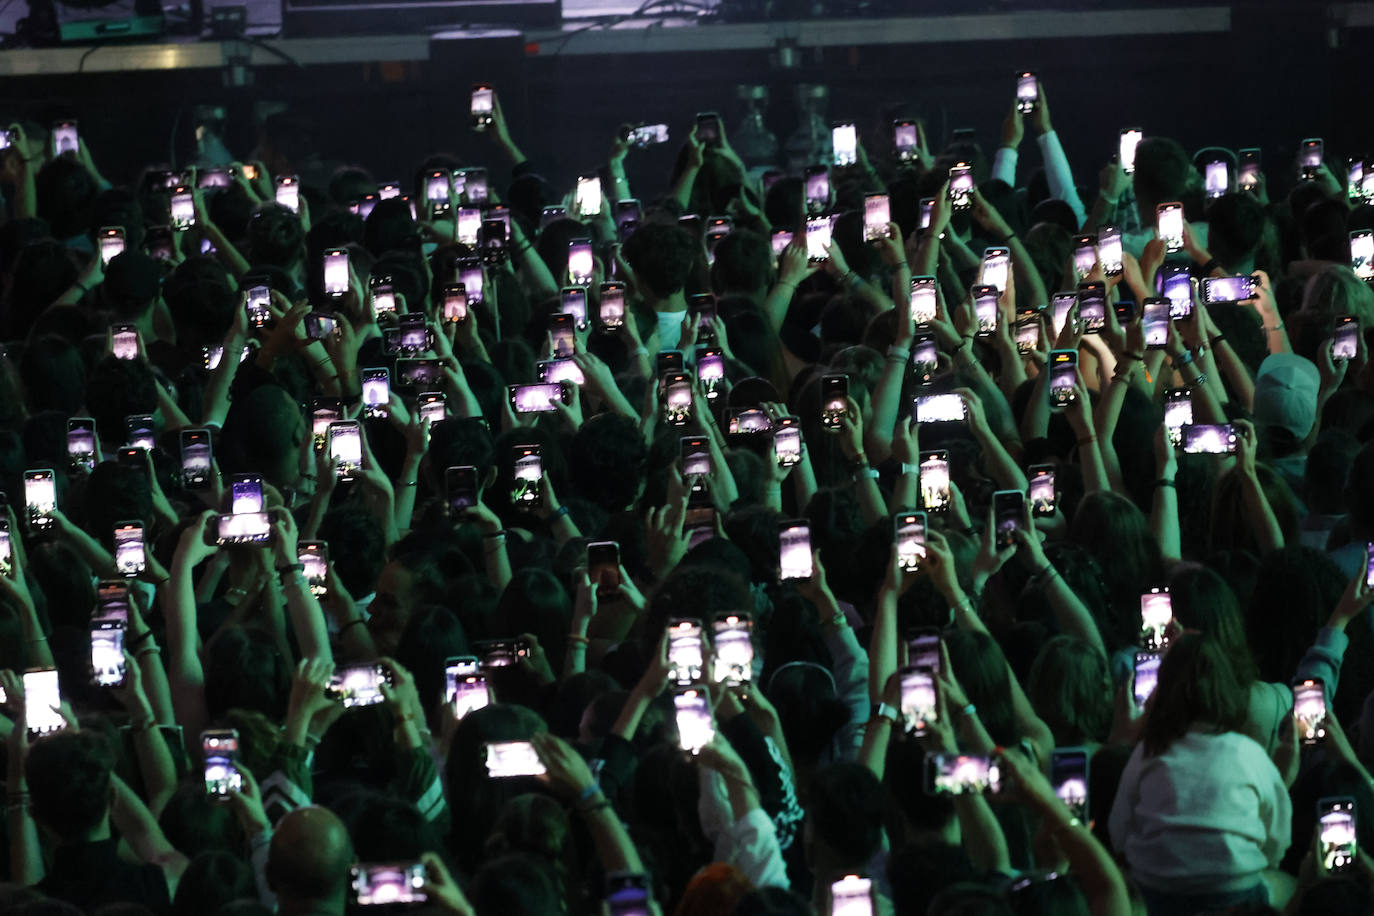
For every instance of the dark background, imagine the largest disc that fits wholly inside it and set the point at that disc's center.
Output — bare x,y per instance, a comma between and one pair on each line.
1279,75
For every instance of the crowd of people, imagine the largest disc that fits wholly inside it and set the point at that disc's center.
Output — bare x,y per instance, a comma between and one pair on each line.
922,534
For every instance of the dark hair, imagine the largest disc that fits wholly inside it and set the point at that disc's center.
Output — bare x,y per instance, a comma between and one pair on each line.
202,300
1163,171
356,547
662,257
117,388
1071,689
210,879
536,602
69,782
845,808
1295,588
519,885
606,459
275,236
1197,686
1203,601
65,192
54,375
245,670
1235,224
743,262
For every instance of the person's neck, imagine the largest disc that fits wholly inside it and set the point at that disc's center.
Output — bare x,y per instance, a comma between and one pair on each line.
677,302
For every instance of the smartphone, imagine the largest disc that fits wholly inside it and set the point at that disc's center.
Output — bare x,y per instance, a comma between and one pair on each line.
923,299
1069,777
1169,225
925,359
6,552
246,494
780,239
483,106
471,277
288,192
818,229
940,408
695,724
877,214
388,884
703,307
500,653
1178,413
1176,285
588,196
1027,331
157,242
111,240
581,266
934,480
733,649
923,650
1156,613
243,528
460,488
996,266
537,398
1336,823
1209,439
130,554
1084,256
1229,289
1362,254
787,446
794,550
1130,139
81,443
1061,305
710,371
220,748
817,189
677,398
336,274
603,565
611,312
40,498
1248,172
465,687
107,652
323,411
927,209
344,441
65,138
1216,178
627,894
844,142
962,774
708,128
1042,492
358,685
1109,250
1092,307
685,657
42,697
1027,92
985,309
961,186
905,140
834,394
1345,340
1155,322
1309,707
909,532
1311,153
1063,378
851,896
1144,677
508,759
1008,514
376,391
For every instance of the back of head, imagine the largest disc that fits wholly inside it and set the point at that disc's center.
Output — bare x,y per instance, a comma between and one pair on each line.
69,782
845,811
1335,290
1203,601
66,196
1235,228
211,879
132,283
117,388
260,430
202,300
1071,689
662,256
309,857
517,885
743,262
606,459
390,227
1197,685
1163,172
275,236
54,375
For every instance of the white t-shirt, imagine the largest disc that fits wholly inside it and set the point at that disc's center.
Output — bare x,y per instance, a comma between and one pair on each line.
1207,815
670,329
